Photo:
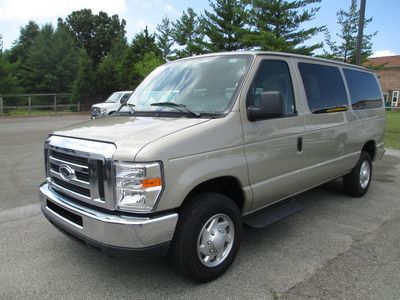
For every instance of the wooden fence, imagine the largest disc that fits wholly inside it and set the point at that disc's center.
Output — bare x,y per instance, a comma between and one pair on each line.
29,102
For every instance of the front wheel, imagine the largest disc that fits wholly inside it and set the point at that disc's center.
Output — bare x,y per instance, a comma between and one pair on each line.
357,182
207,237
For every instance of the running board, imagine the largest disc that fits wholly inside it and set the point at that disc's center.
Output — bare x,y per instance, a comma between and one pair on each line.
274,214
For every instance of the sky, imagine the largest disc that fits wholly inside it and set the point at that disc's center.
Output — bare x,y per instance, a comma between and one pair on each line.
140,13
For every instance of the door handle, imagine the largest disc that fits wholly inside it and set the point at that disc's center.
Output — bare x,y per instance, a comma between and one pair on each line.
300,144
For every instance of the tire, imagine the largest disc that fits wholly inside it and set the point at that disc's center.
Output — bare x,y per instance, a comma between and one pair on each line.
208,224
357,182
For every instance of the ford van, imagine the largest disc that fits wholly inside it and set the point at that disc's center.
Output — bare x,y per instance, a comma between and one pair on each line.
207,144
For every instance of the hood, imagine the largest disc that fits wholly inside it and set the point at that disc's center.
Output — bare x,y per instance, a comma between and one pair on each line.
129,134
104,104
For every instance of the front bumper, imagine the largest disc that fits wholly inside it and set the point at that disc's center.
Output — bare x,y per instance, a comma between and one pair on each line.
97,113
106,230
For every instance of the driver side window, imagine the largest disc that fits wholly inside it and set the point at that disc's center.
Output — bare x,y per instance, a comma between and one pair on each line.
273,76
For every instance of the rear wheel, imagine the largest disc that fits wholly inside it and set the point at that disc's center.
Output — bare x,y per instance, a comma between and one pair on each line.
207,237
357,182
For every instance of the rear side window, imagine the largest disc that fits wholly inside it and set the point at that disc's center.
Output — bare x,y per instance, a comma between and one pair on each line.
364,89
324,88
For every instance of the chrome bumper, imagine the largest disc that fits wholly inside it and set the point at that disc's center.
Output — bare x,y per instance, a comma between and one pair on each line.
108,230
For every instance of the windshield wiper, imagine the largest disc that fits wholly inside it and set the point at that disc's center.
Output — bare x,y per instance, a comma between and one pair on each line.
130,105
177,106
330,109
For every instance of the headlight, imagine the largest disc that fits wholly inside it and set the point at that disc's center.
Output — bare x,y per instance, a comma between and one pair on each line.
138,186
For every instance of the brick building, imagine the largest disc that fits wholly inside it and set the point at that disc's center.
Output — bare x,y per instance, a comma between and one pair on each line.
389,76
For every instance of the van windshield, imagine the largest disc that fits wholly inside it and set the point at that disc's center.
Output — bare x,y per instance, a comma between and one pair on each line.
202,84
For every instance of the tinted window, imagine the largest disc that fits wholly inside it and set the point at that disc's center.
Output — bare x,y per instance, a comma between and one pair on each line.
273,75
364,89
324,87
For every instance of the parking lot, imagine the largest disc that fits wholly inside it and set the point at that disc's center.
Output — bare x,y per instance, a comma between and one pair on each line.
336,248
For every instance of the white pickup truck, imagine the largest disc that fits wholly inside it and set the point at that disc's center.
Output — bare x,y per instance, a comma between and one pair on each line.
112,104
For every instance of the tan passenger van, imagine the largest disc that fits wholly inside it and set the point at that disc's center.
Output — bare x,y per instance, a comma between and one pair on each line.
207,144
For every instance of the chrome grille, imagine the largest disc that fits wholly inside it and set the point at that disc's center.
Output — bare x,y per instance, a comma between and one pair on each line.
80,169
95,111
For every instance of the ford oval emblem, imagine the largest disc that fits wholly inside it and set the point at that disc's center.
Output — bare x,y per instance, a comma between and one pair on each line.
66,172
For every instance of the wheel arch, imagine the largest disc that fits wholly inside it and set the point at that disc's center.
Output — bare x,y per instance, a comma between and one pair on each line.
370,148
225,185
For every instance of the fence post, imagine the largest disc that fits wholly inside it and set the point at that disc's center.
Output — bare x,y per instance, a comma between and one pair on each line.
29,104
1,105
55,103
79,106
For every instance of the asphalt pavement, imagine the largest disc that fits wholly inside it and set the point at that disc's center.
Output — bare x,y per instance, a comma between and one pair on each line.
336,248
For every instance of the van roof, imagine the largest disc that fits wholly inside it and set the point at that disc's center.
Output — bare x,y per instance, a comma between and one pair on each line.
284,54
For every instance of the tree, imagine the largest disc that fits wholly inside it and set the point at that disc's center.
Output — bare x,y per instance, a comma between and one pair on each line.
51,62
143,43
277,25
85,88
345,49
164,38
110,73
149,62
225,26
25,40
95,33
187,33
8,81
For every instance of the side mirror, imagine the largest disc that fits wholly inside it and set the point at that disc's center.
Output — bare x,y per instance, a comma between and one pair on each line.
271,106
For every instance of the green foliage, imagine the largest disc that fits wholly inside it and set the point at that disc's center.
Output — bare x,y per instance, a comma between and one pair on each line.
51,62
277,25
142,44
95,83
84,87
164,38
225,25
95,33
346,48
22,45
8,81
187,33
149,62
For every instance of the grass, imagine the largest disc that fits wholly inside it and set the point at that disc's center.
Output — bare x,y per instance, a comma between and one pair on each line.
392,133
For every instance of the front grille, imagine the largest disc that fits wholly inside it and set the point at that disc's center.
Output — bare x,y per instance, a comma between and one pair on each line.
87,182
70,158
95,111
71,187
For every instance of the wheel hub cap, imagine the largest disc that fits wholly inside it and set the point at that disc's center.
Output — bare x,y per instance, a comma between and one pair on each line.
215,240
365,174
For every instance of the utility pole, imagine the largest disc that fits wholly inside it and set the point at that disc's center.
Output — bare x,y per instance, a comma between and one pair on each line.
360,32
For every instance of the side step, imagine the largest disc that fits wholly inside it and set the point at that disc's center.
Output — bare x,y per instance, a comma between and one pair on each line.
273,214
